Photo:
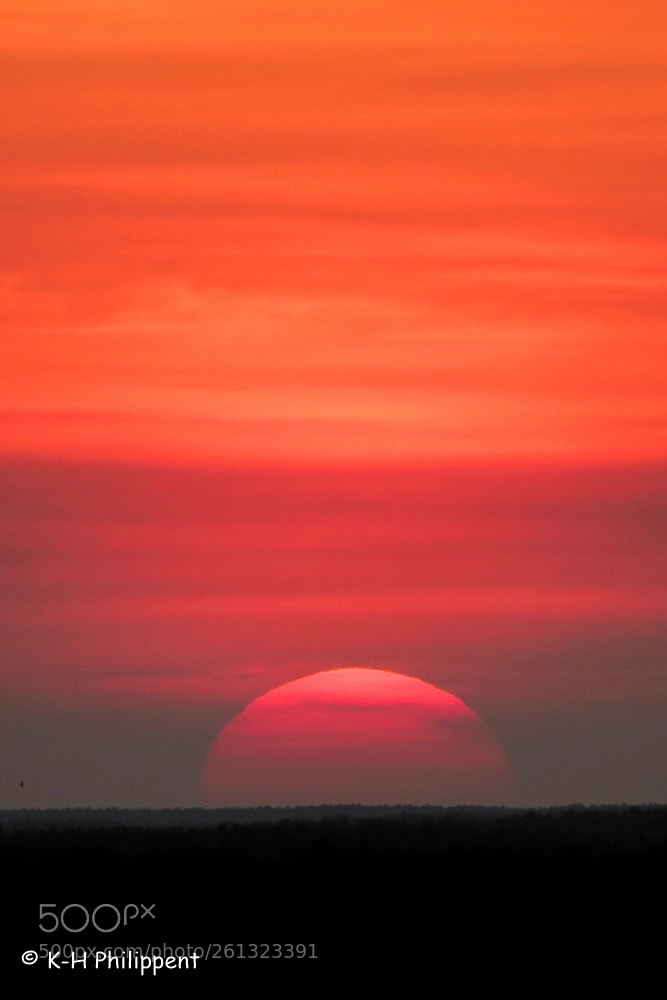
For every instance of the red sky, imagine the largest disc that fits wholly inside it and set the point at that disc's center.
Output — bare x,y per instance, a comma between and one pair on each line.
335,336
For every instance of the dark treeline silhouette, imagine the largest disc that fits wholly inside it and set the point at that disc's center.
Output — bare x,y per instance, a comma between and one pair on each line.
289,835
378,888
197,817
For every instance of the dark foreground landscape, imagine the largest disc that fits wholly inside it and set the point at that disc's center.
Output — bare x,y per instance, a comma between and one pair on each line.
480,894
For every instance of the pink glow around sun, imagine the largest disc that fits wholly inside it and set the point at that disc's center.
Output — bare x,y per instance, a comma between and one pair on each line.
356,735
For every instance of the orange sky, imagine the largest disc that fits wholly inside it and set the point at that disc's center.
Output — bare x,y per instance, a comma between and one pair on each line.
368,232
334,334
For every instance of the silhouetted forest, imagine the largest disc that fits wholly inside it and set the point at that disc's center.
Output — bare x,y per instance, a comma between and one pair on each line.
364,885
279,836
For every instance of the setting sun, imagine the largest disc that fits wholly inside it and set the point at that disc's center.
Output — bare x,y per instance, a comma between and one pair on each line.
356,735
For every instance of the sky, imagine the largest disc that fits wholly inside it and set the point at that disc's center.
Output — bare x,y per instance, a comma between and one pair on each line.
334,337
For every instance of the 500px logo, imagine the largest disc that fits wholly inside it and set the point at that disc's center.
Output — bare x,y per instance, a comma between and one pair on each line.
105,917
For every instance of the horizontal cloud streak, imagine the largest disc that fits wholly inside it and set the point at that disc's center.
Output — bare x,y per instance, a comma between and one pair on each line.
222,567
215,377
